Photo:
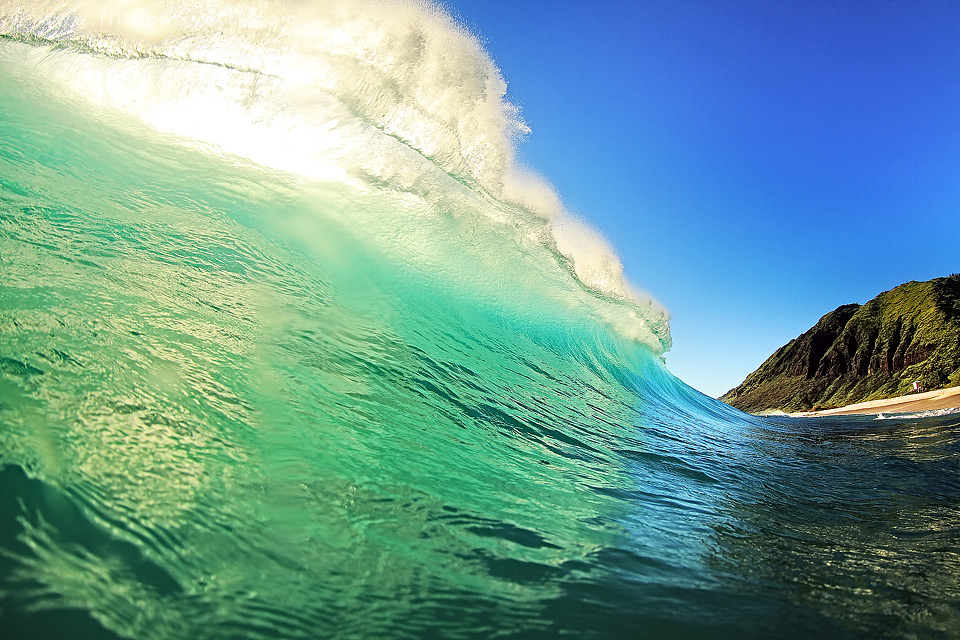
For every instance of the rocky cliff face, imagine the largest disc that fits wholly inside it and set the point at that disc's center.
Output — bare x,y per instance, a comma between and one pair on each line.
864,352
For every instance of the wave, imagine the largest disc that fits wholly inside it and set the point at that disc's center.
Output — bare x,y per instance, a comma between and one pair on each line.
393,97
914,415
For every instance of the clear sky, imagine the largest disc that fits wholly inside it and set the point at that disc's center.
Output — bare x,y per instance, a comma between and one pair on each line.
756,164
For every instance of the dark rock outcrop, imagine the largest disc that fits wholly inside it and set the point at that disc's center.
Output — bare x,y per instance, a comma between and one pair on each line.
864,352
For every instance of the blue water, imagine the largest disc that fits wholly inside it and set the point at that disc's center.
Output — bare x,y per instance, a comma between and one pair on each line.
291,348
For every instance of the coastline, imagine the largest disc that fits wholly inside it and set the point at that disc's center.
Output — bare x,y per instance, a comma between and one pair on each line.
927,401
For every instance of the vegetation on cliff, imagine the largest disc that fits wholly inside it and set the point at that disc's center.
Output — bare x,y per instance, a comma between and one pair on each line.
864,352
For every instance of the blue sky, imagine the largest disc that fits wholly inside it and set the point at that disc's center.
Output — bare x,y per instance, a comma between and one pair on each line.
755,164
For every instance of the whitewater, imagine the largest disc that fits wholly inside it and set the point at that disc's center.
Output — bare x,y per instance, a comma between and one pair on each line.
292,346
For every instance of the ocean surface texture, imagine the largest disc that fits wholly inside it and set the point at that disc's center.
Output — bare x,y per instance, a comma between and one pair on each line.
291,347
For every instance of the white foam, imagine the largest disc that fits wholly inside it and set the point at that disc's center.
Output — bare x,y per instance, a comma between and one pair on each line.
931,413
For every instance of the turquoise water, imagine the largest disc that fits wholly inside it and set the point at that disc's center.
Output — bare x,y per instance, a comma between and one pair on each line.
289,348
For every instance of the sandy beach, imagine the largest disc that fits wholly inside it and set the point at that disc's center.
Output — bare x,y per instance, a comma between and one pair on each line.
927,401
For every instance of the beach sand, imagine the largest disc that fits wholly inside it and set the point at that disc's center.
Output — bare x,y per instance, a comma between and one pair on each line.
927,401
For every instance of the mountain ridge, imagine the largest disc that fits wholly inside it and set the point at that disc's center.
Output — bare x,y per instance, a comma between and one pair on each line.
909,334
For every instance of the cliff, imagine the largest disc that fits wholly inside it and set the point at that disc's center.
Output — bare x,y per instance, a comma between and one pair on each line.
864,352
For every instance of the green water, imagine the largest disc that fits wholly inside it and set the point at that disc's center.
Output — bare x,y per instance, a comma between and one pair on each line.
203,357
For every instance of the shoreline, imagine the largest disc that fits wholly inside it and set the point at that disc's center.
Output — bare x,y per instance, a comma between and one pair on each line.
948,398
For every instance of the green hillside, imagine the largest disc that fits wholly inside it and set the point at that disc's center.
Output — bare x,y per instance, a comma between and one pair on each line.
864,352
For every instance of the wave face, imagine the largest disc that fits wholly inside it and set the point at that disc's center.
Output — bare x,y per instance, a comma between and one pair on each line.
357,95
290,347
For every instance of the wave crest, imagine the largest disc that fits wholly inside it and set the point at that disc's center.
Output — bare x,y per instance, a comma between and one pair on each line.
393,94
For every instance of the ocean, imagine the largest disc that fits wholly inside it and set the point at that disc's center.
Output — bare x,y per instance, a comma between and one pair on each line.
292,347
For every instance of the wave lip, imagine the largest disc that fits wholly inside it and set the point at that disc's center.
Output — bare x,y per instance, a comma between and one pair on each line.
376,95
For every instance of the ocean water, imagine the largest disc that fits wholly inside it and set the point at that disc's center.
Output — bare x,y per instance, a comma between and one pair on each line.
291,347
